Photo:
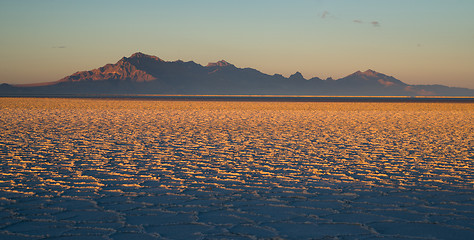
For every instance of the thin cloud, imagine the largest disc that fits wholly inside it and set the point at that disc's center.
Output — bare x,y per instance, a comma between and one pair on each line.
59,46
325,14
375,23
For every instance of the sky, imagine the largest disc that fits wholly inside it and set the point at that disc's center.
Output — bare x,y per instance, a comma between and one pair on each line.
418,42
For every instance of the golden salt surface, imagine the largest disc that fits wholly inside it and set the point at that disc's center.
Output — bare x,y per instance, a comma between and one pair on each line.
286,153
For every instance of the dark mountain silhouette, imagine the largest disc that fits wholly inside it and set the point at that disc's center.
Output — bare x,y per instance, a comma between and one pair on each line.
145,74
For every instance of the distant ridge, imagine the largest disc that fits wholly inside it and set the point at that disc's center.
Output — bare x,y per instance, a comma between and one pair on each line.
221,63
145,74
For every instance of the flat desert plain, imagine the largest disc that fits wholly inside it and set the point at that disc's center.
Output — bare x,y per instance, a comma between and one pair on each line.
133,169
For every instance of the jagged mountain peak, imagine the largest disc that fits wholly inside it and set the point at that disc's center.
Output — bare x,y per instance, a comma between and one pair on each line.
221,63
140,57
178,77
372,73
373,77
297,76
367,73
124,69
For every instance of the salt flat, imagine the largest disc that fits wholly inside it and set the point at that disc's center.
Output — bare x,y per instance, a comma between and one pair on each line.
130,169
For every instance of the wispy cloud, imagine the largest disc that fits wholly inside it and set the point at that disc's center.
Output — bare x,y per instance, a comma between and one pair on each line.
375,23
325,14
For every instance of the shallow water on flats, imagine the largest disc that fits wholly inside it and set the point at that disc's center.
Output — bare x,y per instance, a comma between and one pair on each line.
130,169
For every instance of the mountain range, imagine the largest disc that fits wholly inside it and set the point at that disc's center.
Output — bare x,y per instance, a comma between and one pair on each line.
145,74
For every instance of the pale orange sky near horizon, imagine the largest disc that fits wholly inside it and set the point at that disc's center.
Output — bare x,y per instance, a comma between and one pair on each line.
418,42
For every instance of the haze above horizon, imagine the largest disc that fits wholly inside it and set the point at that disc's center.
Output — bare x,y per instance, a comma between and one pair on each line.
418,42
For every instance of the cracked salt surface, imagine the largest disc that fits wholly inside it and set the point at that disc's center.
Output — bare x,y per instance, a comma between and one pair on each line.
127,169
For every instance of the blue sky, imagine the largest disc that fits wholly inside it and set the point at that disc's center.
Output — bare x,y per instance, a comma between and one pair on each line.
418,42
